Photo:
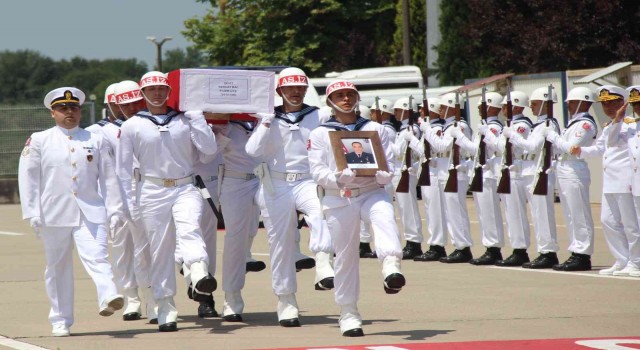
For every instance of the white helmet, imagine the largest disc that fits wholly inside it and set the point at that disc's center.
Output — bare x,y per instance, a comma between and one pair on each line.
434,105
292,77
580,94
153,78
109,96
610,93
494,99
403,103
127,91
518,99
340,85
385,106
365,112
542,94
449,99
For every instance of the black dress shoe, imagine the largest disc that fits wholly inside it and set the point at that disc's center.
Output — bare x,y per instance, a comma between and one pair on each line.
233,318
204,287
168,327
292,322
190,291
411,250
356,332
458,256
325,284
490,257
366,252
304,264
207,309
394,283
576,262
132,316
255,266
518,258
434,253
543,261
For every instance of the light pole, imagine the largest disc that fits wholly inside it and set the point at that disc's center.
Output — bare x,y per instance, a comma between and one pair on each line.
159,47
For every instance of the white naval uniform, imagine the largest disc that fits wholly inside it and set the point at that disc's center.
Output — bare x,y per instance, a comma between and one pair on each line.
283,148
521,173
455,204
488,201
618,216
239,187
343,214
574,179
408,202
167,152
66,177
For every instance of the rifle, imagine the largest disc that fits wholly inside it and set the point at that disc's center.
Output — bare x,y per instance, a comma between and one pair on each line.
377,113
504,185
425,179
475,184
403,185
206,195
542,176
454,160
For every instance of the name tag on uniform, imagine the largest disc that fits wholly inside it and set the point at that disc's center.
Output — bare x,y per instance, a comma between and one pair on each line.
292,177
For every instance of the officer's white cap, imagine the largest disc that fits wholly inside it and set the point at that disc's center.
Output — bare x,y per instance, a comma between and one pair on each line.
633,93
610,93
63,96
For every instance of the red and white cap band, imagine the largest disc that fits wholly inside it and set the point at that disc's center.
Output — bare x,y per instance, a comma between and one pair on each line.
128,97
154,80
111,98
293,80
340,85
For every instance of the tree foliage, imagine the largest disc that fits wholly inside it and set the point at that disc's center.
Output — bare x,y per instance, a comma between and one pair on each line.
484,37
417,35
179,58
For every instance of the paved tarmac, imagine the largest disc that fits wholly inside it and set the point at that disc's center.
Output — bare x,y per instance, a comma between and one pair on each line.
441,303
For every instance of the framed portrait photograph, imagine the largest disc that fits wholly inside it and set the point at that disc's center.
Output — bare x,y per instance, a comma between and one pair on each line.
358,150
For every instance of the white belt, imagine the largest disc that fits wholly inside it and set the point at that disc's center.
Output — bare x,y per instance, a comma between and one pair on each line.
528,156
169,182
239,175
350,192
443,155
209,178
567,157
289,177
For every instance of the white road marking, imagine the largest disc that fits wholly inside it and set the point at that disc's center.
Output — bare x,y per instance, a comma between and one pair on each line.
6,233
14,344
564,273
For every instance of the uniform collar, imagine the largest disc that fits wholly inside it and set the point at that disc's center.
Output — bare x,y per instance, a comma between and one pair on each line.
492,118
68,132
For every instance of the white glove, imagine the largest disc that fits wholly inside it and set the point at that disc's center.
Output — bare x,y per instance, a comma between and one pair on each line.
552,135
425,126
482,129
456,132
546,130
507,131
191,115
35,224
407,135
266,118
383,177
115,224
346,176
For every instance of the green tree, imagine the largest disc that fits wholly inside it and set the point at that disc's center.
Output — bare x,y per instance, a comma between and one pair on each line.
178,58
417,35
24,74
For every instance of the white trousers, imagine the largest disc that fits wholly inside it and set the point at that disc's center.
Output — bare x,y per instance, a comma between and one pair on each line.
167,213
241,215
433,198
131,257
489,214
365,228
278,210
457,217
515,207
409,211
374,207
620,226
544,217
574,200
91,241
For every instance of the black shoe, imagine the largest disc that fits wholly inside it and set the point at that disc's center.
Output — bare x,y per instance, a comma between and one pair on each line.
490,257
232,318
394,283
304,264
255,266
356,332
434,253
325,284
458,256
168,327
153,321
411,250
518,258
366,252
207,309
132,316
543,261
190,291
292,322
576,262
204,287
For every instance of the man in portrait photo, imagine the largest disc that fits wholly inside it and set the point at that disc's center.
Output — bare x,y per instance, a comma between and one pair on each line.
358,156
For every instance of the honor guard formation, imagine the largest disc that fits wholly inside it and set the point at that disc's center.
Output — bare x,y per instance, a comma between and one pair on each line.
155,182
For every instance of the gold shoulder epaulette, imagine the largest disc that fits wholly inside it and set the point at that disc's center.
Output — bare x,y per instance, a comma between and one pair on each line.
629,120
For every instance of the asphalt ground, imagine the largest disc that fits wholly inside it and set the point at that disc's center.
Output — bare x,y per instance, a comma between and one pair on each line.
441,303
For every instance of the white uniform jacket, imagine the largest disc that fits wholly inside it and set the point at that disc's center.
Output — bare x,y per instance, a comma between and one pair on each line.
399,147
615,161
59,172
581,131
631,135
522,165
442,145
492,153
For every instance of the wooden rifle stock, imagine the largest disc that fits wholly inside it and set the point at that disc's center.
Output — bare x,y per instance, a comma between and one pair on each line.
205,194
403,185
425,178
541,186
452,180
504,185
481,157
